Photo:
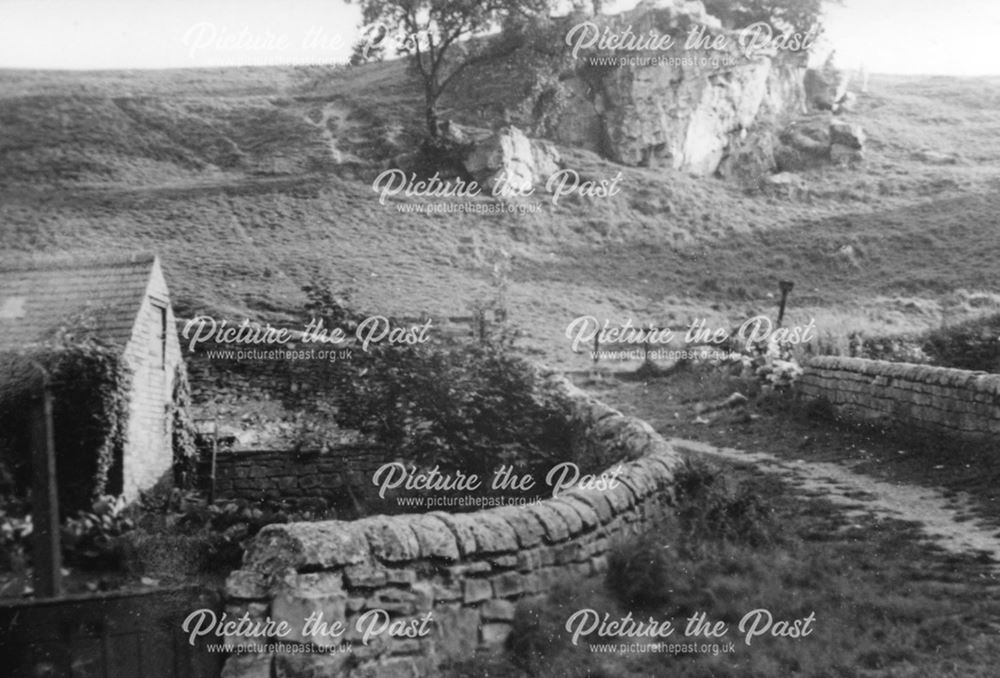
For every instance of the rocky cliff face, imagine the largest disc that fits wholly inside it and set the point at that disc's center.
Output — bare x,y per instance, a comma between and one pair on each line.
684,107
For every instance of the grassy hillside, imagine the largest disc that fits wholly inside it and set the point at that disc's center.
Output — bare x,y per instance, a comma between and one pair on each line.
253,182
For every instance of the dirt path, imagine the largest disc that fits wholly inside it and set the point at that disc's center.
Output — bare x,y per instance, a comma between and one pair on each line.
945,520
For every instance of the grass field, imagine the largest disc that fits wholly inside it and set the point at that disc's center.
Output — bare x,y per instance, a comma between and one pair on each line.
253,182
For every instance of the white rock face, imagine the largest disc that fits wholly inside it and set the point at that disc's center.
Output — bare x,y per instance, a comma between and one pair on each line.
511,157
679,107
723,109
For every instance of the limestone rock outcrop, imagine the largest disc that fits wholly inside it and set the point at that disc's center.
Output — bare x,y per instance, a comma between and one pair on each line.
816,141
510,157
681,106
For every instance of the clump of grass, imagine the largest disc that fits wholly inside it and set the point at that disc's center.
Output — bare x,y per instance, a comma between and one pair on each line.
536,631
538,644
642,571
713,508
654,569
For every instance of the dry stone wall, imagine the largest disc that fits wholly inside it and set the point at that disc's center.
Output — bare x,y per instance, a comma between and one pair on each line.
284,474
937,400
440,586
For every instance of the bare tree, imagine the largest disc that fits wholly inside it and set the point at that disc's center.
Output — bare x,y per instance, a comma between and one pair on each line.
435,35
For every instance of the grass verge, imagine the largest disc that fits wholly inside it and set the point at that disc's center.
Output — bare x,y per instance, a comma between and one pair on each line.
885,604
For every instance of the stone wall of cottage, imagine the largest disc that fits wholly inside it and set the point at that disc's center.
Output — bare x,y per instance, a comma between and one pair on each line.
455,576
936,400
148,453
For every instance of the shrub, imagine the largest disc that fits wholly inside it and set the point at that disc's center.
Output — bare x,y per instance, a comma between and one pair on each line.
773,364
711,509
673,566
899,349
649,571
16,529
973,345
641,572
470,409
90,540
214,535
442,154
332,308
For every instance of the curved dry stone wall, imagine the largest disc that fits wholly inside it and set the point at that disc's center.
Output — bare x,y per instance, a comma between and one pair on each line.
401,594
934,399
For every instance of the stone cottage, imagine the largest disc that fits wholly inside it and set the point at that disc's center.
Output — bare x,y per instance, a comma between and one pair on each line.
123,302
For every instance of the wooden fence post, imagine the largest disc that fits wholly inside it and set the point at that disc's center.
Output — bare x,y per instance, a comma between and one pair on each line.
785,286
45,494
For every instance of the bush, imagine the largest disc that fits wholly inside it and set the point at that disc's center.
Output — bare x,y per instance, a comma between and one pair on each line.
653,569
973,345
444,155
16,529
166,532
641,572
214,535
709,508
897,349
91,539
468,409
772,363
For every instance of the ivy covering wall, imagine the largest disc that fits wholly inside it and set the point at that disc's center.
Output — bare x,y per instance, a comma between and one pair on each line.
90,384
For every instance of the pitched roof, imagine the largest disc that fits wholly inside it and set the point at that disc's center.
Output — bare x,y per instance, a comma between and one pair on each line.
97,297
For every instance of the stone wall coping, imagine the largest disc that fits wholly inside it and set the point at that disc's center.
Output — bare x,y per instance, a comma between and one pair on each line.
945,376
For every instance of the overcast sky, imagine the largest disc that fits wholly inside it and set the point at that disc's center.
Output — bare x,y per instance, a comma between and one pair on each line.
958,37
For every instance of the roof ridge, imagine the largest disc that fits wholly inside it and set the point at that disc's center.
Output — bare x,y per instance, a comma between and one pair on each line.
70,262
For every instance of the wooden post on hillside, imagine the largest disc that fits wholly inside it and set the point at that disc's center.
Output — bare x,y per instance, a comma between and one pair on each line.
45,496
786,287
